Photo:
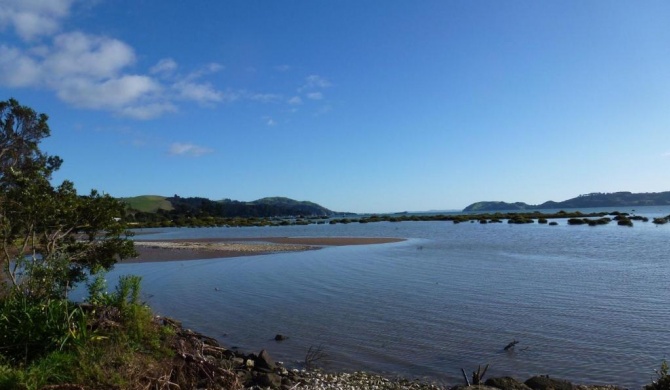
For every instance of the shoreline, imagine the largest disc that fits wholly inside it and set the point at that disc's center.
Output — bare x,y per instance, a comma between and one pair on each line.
208,359
252,369
213,248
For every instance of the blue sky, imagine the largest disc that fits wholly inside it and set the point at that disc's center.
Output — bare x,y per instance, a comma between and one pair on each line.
363,106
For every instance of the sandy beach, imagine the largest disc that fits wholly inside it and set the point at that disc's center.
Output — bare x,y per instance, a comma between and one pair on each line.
211,248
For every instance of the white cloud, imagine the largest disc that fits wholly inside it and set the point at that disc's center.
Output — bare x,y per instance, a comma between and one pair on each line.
263,97
97,72
114,93
148,111
18,69
271,122
33,18
199,92
90,71
86,71
76,53
214,67
164,66
295,101
180,149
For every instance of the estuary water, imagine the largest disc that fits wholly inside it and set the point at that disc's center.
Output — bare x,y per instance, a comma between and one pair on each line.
589,304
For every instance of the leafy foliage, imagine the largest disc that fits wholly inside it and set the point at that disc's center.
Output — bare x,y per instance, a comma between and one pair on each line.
50,237
21,130
29,329
113,345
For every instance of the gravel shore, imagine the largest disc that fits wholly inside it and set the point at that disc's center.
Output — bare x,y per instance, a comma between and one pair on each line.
316,380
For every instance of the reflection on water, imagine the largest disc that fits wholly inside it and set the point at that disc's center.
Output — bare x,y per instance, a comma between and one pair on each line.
586,303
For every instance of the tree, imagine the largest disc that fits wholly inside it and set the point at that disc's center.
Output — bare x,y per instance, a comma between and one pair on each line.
21,130
50,237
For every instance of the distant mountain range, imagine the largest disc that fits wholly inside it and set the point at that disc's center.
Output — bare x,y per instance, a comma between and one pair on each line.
596,199
265,207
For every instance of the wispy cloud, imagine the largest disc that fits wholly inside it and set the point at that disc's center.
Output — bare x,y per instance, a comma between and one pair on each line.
263,97
295,101
315,81
315,95
199,92
283,68
148,111
187,149
270,122
323,110
165,66
208,69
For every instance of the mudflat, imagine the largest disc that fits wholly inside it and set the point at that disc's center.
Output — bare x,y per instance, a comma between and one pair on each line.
211,248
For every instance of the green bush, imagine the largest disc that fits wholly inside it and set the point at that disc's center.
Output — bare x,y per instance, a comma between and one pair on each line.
29,329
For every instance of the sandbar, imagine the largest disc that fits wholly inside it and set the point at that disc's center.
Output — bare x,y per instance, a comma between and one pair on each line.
212,248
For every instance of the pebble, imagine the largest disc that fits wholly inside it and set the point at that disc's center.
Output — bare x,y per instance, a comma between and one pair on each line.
316,380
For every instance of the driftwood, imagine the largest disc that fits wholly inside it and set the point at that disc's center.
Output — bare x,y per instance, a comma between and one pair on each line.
465,376
511,345
478,376
314,356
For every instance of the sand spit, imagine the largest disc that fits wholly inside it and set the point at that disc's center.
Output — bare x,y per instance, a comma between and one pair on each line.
210,248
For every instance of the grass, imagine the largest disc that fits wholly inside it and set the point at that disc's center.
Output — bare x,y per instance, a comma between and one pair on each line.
148,203
114,342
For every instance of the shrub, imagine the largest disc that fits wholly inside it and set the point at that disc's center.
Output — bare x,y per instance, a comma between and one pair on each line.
663,380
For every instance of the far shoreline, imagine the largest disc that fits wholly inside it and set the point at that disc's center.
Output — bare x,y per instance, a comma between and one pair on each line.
212,248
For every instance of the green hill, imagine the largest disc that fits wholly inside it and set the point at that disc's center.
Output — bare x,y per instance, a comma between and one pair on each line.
596,199
197,206
148,203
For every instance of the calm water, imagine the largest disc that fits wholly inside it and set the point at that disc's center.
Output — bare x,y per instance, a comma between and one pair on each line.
586,303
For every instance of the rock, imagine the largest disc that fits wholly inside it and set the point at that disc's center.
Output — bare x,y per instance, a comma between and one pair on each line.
280,337
264,361
542,382
244,377
228,354
473,387
598,387
506,383
268,379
